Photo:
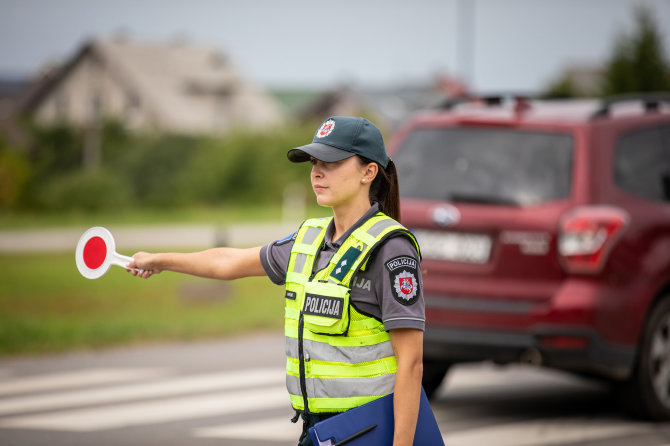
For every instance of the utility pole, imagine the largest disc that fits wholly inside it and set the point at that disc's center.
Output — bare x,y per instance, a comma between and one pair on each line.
466,34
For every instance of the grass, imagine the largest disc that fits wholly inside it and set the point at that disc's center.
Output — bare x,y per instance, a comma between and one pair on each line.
46,306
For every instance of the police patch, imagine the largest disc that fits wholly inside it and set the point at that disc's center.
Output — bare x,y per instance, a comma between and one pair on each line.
326,306
403,273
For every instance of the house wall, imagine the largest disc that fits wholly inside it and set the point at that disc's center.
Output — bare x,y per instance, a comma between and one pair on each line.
91,92
155,87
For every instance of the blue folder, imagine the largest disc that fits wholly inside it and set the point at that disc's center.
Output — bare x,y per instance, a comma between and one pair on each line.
372,424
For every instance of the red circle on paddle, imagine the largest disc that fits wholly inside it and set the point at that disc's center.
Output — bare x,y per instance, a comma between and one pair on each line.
95,252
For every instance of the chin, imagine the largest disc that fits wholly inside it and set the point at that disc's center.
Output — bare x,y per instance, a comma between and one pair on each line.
322,201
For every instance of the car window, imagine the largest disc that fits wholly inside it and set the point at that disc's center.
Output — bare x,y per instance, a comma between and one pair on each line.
485,165
642,163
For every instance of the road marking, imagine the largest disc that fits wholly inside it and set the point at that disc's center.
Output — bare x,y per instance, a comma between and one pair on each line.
78,378
270,429
169,387
544,432
163,411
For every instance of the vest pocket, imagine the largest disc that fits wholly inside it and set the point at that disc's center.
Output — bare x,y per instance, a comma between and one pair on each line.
326,308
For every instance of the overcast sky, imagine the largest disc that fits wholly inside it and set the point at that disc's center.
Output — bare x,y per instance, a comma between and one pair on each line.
496,44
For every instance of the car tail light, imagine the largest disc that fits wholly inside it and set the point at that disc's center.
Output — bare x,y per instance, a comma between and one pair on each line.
587,234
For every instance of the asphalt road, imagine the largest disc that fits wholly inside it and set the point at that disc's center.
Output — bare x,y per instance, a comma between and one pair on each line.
232,393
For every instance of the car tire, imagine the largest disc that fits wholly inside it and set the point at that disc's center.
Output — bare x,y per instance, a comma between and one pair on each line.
647,392
433,375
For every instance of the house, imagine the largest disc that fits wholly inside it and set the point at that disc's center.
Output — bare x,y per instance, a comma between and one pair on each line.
164,87
389,107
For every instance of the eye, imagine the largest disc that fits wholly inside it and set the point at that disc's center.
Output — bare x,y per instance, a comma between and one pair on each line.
312,161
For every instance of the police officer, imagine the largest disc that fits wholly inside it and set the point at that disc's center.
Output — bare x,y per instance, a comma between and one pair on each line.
354,311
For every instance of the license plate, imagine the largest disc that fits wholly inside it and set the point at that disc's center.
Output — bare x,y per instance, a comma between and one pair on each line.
454,246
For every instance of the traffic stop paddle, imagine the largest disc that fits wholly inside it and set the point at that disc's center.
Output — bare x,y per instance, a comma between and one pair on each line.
96,251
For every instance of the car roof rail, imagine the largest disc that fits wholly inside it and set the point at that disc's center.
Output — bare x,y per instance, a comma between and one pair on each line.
490,100
650,101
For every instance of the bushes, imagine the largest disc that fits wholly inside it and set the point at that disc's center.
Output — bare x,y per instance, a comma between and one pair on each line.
157,170
87,190
15,171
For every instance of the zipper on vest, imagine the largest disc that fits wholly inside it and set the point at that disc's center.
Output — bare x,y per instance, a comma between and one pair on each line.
301,362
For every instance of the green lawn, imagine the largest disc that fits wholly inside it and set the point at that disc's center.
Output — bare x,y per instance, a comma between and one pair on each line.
45,306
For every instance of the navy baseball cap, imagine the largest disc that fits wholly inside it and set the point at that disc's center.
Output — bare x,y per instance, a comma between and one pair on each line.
340,137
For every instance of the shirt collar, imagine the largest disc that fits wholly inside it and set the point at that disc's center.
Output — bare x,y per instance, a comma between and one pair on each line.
331,227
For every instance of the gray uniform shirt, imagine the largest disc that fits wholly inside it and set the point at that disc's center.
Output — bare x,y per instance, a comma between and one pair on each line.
390,289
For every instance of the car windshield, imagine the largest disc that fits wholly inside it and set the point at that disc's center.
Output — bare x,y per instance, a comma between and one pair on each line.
485,165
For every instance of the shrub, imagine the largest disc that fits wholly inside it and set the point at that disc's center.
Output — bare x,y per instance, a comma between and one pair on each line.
88,190
14,175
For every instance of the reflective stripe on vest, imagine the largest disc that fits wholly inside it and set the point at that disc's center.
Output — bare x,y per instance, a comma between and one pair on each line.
336,372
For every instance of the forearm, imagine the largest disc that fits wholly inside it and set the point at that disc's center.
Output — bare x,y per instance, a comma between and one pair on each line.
215,263
406,400
408,349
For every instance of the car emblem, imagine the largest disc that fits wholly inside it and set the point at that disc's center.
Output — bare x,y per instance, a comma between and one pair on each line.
446,215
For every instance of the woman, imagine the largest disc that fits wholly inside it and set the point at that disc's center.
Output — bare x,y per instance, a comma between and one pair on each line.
354,314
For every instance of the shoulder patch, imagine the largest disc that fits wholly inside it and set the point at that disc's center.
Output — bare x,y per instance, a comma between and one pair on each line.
403,274
286,239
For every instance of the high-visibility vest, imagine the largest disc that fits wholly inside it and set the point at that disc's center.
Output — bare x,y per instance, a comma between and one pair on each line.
336,357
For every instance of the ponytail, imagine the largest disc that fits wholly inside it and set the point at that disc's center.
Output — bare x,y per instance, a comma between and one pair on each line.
384,190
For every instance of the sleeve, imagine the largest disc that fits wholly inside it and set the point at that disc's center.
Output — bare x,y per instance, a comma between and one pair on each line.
275,257
399,287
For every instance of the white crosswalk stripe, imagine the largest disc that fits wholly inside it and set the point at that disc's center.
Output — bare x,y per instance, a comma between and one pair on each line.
166,387
246,390
135,414
97,400
76,378
272,429
543,433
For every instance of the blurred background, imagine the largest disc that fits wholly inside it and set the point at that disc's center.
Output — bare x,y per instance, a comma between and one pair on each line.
169,123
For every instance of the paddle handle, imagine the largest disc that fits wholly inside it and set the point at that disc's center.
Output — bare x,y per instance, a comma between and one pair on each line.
123,261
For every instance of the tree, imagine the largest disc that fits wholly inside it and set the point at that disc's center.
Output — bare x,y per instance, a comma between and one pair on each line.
638,63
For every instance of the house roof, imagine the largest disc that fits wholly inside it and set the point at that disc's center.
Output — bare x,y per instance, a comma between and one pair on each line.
174,82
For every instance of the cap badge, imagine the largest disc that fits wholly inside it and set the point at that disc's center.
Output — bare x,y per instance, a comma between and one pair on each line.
325,129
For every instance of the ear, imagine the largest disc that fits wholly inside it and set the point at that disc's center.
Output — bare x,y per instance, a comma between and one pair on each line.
369,173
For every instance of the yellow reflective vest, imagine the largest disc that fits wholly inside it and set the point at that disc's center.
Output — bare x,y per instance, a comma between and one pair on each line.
337,358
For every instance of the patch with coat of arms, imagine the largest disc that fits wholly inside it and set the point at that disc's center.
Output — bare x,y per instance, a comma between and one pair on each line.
403,273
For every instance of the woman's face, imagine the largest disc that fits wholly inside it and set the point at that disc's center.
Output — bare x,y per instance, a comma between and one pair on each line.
340,182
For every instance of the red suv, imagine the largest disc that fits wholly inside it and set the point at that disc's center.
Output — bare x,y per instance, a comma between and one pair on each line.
545,233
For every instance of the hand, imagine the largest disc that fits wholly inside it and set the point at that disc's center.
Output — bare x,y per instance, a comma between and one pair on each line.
145,262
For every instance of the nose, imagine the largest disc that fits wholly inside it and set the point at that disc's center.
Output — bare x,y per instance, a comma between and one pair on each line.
317,172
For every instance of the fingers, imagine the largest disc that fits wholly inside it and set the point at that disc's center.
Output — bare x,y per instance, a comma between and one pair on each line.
145,274
140,266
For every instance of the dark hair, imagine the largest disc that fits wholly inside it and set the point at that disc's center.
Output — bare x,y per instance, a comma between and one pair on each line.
384,189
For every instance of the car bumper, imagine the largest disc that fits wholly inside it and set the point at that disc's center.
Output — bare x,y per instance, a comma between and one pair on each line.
582,352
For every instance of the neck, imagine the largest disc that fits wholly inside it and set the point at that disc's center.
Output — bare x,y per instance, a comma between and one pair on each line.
345,216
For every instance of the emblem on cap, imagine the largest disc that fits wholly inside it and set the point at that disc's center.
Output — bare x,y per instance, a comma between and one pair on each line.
326,129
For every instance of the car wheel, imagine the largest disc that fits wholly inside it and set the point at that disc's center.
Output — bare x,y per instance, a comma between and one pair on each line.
433,375
647,393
